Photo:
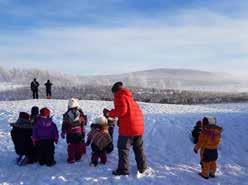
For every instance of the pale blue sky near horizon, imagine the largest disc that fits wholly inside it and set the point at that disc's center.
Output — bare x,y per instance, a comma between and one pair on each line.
91,37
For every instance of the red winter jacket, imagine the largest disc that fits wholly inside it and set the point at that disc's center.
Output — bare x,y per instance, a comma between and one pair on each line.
131,119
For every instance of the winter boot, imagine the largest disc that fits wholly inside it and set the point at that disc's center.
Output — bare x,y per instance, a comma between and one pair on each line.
142,170
71,153
94,159
19,159
119,173
202,176
212,175
52,163
22,161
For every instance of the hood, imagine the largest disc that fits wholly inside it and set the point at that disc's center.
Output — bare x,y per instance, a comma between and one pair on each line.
124,91
22,123
73,116
214,128
44,122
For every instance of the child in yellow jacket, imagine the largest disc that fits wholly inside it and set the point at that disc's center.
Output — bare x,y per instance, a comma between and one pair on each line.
208,143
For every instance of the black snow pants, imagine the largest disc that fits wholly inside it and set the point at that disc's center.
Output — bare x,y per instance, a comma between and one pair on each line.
35,94
48,93
45,152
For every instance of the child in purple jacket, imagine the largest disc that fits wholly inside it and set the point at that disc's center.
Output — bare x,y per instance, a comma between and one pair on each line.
45,134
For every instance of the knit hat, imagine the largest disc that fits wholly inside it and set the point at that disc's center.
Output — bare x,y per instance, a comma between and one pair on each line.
116,87
45,112
101,120
199,123
24,116
34,111
23,120
211,120
73,103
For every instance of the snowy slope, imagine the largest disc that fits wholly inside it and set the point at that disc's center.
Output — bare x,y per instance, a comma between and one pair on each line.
167,145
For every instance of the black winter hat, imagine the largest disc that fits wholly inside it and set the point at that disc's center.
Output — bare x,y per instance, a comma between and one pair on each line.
116,87
35,110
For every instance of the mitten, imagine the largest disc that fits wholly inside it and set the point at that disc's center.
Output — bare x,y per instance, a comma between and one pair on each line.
106,113
195,150
63,135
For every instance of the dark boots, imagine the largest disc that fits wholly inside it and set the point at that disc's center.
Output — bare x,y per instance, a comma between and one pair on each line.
96,154
45,152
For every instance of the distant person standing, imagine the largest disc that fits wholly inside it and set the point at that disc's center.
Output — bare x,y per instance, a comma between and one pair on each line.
48,85
35,88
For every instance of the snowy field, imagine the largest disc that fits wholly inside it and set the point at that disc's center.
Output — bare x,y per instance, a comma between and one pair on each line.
167,145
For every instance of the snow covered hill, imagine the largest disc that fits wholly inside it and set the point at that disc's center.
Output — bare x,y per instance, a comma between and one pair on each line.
167,145
183,79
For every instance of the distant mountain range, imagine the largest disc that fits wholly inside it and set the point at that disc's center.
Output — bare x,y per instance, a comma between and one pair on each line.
156,78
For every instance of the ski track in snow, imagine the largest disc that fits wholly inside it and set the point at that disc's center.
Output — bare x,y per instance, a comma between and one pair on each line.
167,144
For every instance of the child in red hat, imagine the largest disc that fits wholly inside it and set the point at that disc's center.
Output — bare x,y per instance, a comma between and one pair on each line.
45,134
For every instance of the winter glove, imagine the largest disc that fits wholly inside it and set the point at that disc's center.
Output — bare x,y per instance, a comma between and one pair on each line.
195,150
63,135
106,113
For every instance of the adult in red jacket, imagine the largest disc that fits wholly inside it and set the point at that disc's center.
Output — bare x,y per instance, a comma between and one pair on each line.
131,128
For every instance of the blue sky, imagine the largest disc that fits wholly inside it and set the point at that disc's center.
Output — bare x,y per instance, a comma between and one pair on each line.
90,37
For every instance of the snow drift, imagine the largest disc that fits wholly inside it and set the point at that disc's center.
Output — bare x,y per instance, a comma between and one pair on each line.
167,145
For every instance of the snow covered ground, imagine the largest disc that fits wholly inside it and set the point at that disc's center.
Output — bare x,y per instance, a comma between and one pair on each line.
167,145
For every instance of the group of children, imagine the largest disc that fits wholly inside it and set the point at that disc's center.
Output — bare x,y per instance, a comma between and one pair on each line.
35,136
206,137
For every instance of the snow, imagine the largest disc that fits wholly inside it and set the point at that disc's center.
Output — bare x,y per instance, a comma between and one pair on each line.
167,145
4,86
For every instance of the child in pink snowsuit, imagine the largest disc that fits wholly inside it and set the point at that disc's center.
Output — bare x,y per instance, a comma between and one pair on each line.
74,121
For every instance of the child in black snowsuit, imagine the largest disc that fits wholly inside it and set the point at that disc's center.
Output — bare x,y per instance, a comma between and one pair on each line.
100,140
111,127
34,114
21,136
196,131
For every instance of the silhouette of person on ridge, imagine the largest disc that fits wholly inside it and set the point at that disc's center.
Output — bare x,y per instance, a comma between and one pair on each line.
35,89
48,85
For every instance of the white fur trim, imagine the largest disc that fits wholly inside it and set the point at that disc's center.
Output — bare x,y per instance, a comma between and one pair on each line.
101,120
73,103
